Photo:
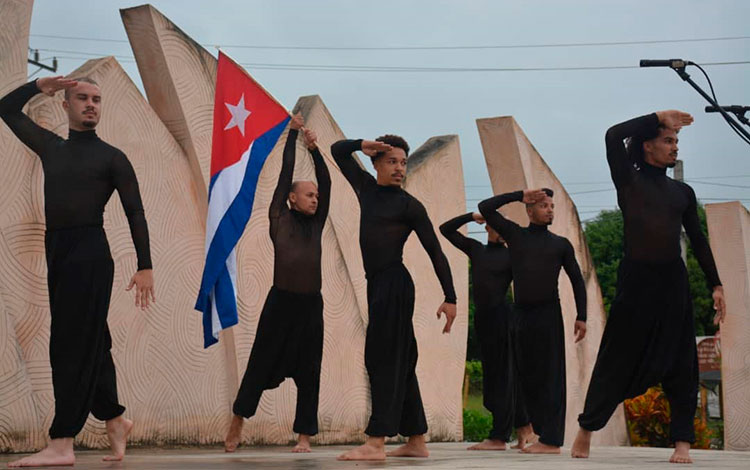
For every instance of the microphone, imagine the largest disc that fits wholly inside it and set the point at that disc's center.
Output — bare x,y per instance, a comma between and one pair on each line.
673,63
736,109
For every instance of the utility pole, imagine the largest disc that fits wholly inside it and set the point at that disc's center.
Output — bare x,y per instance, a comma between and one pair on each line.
35,61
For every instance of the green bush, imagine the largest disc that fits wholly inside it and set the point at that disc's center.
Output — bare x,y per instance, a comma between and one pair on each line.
474,371
477,425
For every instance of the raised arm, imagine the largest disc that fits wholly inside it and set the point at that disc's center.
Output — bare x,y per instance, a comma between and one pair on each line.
342,154
322,175
278,204
421,224
30,133
450,231
505,227
576,280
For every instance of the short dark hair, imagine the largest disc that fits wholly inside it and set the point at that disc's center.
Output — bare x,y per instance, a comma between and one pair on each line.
393,141
634,143
81,79
547,191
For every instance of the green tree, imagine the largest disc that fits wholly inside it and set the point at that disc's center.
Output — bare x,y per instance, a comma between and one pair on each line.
604,235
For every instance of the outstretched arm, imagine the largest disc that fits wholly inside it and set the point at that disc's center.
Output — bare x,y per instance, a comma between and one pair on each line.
30,133
450,231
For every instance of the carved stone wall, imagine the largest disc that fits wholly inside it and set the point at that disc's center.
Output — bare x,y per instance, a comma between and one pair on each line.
729,233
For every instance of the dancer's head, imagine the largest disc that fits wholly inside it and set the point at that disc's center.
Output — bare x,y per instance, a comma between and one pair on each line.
542,212
657,147
391,165
83,104
303,197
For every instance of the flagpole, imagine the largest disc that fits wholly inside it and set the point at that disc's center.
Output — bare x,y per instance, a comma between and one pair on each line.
253,80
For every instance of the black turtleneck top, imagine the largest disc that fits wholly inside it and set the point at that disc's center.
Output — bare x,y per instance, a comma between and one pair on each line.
388,215
296,236
654,206
536,256
80,174
491,273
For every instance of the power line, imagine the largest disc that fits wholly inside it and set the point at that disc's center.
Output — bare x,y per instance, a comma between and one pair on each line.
423,48
409,69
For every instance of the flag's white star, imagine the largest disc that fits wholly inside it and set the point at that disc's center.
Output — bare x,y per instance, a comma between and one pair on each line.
239,115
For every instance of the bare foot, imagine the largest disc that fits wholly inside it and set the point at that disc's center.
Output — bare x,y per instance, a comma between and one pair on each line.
582,444
303,445
117,431
59,452
489,444
540,448
681,453
414,447
525,436
234,434
366,451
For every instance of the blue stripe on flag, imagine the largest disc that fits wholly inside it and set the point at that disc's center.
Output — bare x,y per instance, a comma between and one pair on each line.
232,224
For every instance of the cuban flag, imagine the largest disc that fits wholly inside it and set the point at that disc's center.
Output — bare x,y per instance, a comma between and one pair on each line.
247,124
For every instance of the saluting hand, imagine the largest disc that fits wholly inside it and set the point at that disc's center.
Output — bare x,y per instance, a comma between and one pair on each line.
674,119
450,315
719,305
143,281
531,196
51,85
478,218
373,147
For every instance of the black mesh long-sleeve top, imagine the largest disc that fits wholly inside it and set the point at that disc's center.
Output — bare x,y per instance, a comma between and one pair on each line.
388,215
80,174
491,272
296,236
654,206
536,256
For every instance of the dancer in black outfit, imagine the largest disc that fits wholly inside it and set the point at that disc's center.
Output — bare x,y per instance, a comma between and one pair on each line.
539,341
80,175
650,335
491,276
289,340
388,215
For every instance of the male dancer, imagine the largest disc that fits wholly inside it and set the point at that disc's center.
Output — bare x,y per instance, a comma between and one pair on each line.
536,258
289,340
80,175
650,336
491,276
388,215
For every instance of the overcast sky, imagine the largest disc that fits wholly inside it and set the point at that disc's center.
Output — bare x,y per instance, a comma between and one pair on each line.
564,113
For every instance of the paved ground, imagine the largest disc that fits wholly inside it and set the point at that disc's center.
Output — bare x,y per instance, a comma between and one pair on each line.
451,456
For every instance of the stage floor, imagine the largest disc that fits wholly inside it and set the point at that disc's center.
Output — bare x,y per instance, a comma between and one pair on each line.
451,456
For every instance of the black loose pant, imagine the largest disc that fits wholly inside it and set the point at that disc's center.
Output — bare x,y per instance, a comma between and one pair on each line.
288,343
539,347
500,386
391,356
649,339
80,272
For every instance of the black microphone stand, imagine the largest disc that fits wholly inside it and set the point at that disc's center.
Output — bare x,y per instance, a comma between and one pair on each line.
686,77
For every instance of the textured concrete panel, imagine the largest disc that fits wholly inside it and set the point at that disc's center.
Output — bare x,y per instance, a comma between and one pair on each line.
729,234
513,163
435,177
